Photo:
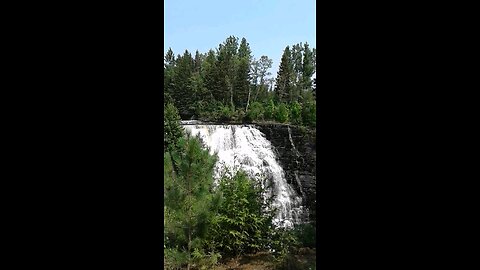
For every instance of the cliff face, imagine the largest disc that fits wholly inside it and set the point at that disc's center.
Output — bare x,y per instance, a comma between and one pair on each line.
297,155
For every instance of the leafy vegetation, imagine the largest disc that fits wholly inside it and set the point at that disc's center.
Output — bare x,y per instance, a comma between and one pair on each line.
243,223
204,222
229,84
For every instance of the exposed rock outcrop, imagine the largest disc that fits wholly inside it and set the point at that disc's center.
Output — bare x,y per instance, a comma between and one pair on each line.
296,150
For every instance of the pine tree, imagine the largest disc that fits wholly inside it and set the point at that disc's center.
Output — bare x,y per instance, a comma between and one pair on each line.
208,71
308,69
297,67
283,86
244,223
187,197
225,75
173,131
242,78
197,61
169,58
168,76
182,96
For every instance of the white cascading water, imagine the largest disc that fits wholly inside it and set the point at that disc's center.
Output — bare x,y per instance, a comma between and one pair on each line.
245,147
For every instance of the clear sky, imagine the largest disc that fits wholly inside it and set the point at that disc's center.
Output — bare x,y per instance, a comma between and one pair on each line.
268,25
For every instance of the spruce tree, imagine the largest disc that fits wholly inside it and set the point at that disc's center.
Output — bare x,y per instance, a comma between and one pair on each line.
242,78
225,76
168,76
183,72
283,84
197,61
308,69
209,71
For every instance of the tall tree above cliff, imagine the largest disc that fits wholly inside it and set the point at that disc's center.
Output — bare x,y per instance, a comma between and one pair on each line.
283,86
183,73
261,80
209,73
308,69
168,76
242,78
225,75
297,50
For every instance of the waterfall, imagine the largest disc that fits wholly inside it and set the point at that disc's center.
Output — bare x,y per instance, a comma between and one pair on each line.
245,147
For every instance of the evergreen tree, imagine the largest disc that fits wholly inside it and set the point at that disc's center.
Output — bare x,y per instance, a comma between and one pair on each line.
188,198
223,84
182,96
169,58
198,92
225,71
296,113
173,131
297,67
168,76
197,62
308,69
244,221
283,86
209,72
242,79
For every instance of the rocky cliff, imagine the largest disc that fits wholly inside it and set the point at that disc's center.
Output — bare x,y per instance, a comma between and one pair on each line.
296,150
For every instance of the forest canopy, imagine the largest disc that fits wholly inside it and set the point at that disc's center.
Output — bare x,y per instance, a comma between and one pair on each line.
228,83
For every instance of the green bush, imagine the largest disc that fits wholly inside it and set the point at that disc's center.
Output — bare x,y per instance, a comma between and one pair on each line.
243,225
173,129
282,113
284,244
204,261
225,113
309,114
174,259
296,113
238,115
270,109
255,111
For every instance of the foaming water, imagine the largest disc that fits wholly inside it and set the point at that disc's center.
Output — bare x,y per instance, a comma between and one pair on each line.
245,147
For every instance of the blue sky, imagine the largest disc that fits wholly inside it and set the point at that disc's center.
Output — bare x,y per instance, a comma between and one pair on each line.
268,25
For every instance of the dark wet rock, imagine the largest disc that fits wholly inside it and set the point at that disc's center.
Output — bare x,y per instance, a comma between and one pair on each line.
299,159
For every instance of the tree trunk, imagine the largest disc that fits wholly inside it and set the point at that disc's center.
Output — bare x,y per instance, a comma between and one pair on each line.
189,246
189,192
248,100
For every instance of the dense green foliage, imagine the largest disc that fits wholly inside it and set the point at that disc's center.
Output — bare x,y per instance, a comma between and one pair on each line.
223,84
189,202
243,223
171,126
282,113
204,222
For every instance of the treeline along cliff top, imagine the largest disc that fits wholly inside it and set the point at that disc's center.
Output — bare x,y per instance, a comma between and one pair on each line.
228,84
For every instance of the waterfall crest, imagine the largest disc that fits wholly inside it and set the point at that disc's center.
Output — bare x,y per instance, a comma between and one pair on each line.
245,147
